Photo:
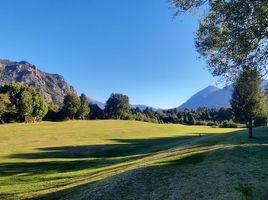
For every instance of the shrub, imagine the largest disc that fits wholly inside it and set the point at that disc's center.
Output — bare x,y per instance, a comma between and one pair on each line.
261,121
228,124
213,123
201,123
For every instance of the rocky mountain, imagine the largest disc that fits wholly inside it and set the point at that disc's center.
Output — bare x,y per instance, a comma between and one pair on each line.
52,86
213,97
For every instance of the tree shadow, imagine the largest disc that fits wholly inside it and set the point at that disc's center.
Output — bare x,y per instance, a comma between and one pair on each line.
87,156
156,179
125,147
48,167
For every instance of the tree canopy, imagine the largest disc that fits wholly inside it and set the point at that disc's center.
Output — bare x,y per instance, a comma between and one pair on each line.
25,104
71,105
248,100
232,35
117,106
84,110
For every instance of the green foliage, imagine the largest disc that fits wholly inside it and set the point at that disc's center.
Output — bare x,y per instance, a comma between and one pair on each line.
200,116
40,107
246,190
117,106
71,105
228,124
261,120
232,35
248,100
53,113
24,106
212,123
84,110
201,123
25,103
96,112
5,105
191,119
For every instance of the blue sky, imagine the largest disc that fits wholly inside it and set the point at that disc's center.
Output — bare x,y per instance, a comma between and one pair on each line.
133,47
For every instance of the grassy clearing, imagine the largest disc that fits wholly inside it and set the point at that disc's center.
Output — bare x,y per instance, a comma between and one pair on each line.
130,160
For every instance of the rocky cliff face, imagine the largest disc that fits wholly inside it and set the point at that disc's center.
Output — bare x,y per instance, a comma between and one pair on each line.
52,86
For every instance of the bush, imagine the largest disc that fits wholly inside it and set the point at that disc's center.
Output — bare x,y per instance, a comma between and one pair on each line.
261,121
201,123
228,124
213,123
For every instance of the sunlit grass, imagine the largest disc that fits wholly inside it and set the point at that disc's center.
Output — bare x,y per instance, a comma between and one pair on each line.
41,159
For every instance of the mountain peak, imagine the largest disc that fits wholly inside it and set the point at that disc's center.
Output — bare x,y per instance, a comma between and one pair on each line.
211,97
211,87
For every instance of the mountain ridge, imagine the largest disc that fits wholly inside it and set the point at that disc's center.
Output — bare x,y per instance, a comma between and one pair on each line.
52,86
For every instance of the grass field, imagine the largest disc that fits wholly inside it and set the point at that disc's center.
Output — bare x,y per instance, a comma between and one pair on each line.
131,160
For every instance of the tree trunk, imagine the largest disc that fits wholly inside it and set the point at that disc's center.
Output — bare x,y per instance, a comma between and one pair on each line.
250,128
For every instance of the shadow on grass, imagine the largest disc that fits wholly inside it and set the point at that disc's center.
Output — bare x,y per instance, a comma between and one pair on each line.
235,168
125,147
102,155
98,156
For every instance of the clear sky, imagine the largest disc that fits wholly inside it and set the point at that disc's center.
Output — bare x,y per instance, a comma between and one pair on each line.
133,47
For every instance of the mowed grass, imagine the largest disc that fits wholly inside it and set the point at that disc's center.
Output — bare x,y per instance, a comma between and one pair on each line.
130,160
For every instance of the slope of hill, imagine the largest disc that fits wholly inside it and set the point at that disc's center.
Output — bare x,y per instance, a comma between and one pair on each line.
52,86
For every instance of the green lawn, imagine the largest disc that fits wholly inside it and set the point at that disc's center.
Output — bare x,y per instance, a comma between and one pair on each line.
130,160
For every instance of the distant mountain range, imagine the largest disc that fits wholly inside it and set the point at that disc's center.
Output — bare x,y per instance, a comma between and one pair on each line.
54,87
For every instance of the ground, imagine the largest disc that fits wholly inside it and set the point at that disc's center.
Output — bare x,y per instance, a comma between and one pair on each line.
131,160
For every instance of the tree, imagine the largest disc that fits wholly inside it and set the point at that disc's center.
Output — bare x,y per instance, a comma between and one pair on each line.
232,35
53,113
149,112
117,106
4,106
225,114
26,104
40,107
248,99
71,105
96,112
84,110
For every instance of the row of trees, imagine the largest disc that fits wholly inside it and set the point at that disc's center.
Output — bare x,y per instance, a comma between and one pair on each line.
24,104
118,107
75,107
